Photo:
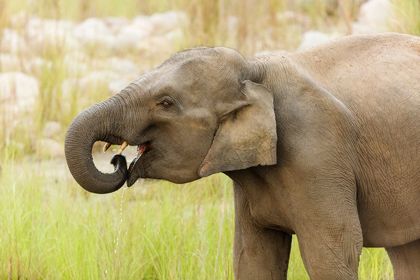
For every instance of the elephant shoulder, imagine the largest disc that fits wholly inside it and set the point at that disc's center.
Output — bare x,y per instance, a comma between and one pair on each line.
313,122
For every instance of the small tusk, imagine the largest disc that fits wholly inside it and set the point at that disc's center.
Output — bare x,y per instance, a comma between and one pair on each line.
122,148
106,147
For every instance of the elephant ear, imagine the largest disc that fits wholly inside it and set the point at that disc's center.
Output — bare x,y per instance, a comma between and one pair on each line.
247,136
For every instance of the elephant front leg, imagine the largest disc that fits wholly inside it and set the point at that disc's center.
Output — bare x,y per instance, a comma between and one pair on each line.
329,232
259,253
331,255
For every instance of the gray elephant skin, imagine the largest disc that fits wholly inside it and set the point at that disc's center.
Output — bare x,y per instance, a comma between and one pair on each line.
324,144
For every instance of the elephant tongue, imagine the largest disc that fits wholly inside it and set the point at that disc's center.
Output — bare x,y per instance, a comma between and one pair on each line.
140,150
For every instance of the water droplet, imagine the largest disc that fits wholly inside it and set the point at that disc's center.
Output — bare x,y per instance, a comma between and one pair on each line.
118,226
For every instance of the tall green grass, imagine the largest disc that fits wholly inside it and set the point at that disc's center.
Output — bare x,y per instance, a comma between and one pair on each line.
406,18
51,229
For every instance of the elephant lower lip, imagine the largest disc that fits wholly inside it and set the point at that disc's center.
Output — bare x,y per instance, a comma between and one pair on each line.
130,178
132,164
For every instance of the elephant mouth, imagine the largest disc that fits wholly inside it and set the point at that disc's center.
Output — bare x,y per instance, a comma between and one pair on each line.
141,150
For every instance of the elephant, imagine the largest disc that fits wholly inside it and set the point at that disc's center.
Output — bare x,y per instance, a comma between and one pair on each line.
322,143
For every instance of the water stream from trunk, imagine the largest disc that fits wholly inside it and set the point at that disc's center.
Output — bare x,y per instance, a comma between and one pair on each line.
102,162
118,220
117,239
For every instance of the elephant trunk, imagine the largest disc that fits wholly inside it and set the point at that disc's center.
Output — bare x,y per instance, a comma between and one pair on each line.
101,122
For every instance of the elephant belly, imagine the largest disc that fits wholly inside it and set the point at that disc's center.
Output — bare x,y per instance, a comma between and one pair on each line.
389,227
389,192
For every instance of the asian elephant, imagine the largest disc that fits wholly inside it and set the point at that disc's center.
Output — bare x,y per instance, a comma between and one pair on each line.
324,144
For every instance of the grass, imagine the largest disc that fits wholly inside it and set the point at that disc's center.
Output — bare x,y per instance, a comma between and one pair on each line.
407,17
52,229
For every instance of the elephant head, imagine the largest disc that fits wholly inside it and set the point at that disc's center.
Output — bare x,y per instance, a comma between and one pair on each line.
196,114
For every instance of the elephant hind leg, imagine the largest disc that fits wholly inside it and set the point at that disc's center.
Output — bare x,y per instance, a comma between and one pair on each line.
405,260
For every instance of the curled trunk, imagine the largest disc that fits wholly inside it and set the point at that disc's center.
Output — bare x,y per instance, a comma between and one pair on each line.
100,122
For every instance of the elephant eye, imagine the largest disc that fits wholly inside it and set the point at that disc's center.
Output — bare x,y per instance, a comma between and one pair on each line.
165,103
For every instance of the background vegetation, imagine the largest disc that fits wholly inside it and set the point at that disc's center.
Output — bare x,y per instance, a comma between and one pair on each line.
52,229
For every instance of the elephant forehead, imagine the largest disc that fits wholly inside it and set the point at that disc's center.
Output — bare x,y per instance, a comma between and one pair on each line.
190,81
198,83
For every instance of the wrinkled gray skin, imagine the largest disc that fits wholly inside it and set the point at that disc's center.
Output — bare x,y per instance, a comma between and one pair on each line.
323,144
